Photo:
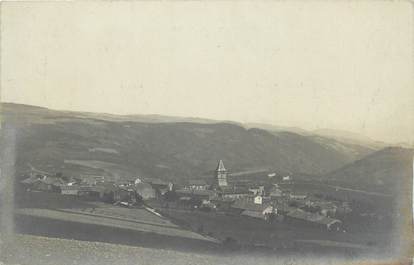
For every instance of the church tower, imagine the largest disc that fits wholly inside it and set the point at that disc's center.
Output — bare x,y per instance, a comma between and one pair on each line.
221,175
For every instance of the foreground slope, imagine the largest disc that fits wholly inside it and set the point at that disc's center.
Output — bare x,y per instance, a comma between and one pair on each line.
41,250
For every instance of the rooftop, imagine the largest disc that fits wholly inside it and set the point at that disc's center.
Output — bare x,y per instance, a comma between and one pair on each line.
235,190
220,166
197,192
248,205
312,217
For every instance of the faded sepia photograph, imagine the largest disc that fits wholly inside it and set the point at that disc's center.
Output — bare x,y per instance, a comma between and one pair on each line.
206,132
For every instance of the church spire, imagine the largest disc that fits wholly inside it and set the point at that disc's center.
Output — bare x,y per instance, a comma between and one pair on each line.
221,175
220,166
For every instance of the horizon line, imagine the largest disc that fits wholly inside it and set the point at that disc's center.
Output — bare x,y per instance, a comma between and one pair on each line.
246,125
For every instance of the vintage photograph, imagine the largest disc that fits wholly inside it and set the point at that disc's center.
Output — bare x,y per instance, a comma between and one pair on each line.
206,132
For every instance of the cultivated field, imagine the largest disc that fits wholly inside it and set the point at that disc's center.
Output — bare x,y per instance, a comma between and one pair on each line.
246,232
67,217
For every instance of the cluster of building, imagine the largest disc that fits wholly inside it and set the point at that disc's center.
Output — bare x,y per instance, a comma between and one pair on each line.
99,188
267,202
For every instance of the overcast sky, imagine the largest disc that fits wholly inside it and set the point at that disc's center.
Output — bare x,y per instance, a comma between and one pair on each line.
341,65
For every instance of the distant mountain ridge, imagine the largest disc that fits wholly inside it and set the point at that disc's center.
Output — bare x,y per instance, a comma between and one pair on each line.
164,147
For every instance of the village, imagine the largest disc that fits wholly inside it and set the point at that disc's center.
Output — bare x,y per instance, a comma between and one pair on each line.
269,203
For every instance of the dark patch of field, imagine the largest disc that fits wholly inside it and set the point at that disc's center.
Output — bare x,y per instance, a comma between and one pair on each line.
71,211
49,200
246,232
92,232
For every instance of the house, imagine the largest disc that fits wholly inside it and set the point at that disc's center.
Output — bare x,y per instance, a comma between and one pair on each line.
90,192
123,194
171,186
198,194
90,180
234,193
248,208
298,196
325,208
258,199
43,183
301,217
156,183
30,181
106,191
286,178
271,175
262,214
145,190
276,193
53,183
69,190
125,182
162,191
197,184
188,202
258,190
282,208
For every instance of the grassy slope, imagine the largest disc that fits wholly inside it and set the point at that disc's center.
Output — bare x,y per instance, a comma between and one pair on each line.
40,250
383,170
170,150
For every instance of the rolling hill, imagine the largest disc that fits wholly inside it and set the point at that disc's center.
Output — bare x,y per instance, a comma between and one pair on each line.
383,170
126,146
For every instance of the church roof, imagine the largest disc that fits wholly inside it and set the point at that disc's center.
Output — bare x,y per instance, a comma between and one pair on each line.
220,166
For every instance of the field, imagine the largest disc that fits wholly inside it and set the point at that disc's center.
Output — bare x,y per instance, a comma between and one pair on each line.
34,250
108,223
246,232
68,217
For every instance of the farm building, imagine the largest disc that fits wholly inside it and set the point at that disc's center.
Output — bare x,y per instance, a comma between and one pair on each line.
91,192
43,183
156,183
258,199
248,208
123,194
90,180
286,178
107,190
199,194
259,190
276,193
298,196
197,184
234,193
145,190
301,217
70,190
